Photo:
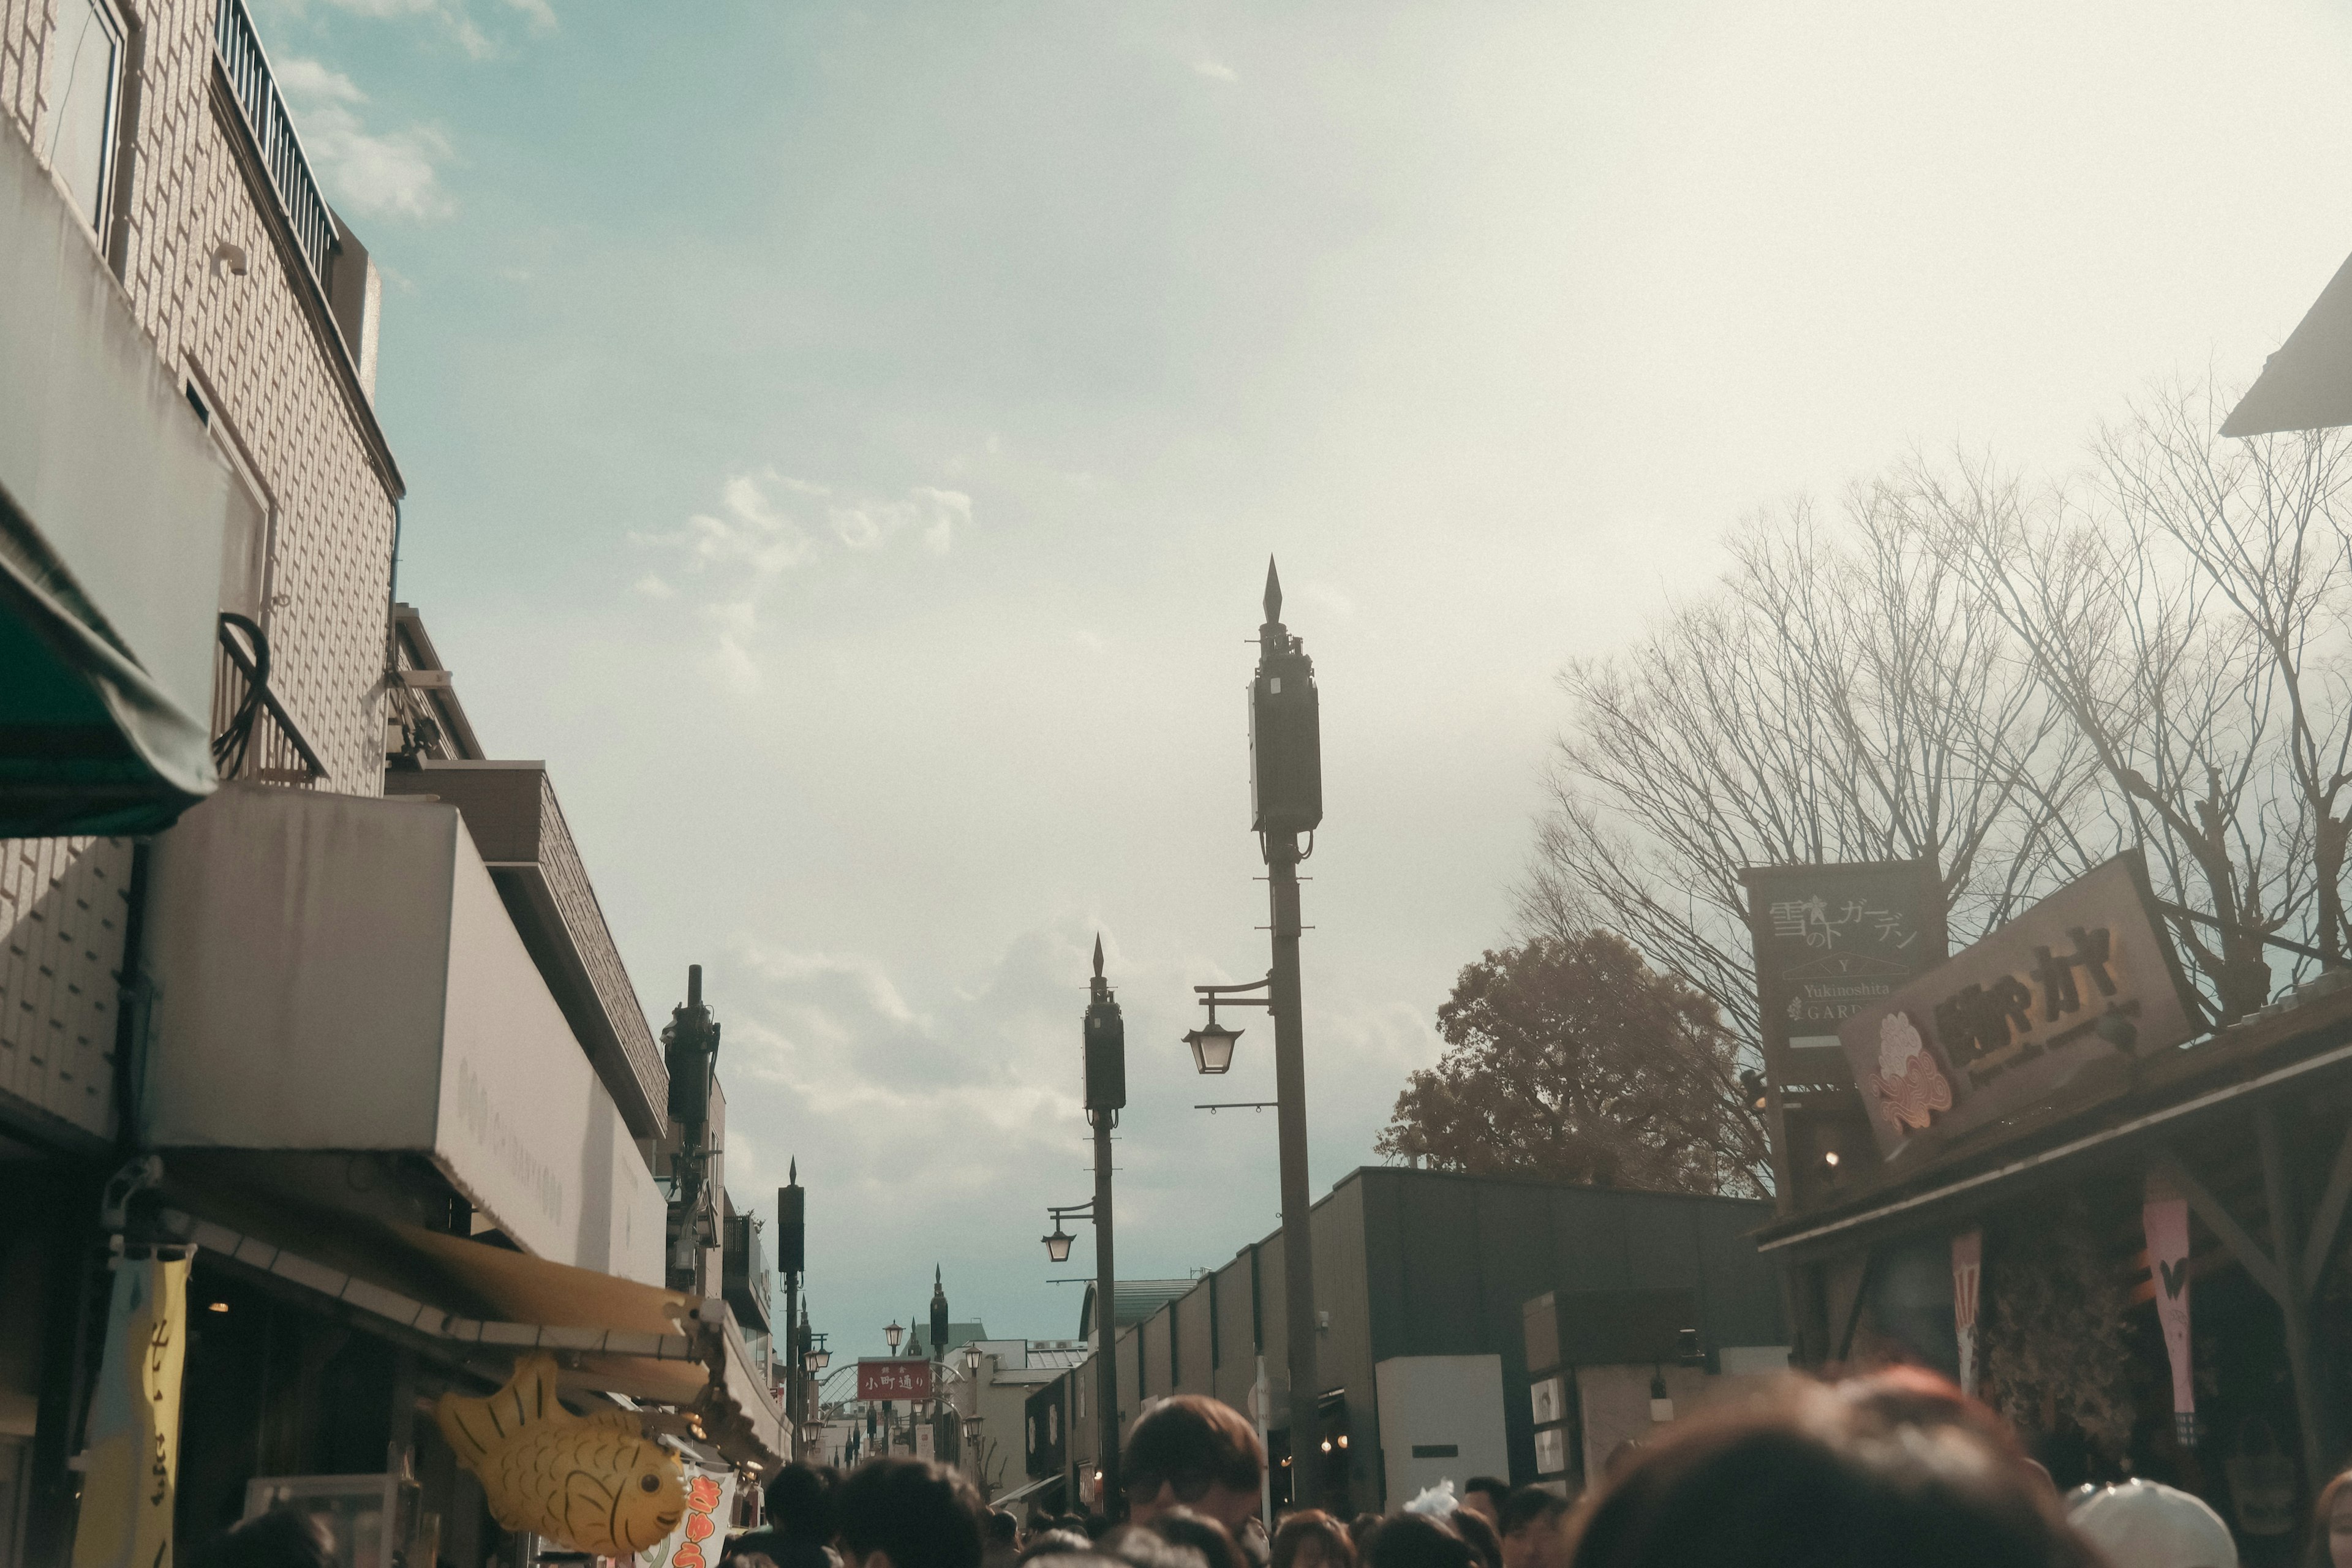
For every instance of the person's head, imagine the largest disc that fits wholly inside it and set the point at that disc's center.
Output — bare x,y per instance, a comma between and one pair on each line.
1472,1526
1531,1525
1000,1527
1312,1538
1183,1529
1486,1495
1417,1541
1057,1542
799,1502
1197,1453
909,1513
2331,1524
1826,1479
1076,1523
1361,1531
279,1539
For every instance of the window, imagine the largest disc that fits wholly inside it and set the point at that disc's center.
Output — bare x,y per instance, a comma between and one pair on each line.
248,537
84,90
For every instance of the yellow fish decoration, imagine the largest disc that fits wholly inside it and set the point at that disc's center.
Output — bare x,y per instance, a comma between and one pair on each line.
593,1483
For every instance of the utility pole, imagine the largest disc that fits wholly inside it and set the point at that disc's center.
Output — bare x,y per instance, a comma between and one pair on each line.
792,1256
1105,1066
1286,800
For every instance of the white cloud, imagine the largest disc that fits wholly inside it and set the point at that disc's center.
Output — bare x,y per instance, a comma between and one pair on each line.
769,524
366,173
541,14
1215,70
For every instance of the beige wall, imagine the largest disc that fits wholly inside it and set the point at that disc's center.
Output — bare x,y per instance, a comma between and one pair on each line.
265,351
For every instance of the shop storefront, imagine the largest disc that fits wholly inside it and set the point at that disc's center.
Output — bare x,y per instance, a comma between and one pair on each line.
2119,1228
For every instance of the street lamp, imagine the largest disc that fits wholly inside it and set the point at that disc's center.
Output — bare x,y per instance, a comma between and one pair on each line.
1057,1245
893,1334
1106,1084
817,1356
1285,801
1212,1047
971,1358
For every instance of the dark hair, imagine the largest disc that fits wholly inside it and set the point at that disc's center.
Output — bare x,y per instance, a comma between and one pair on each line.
281,1538
1883,1470
923,1515
1192,1434
1313,1524
1417,1541
800,1502
1183,1528
1479,1531
1361,1531
1531,1505
1000,1527
1057,1542
1493,1486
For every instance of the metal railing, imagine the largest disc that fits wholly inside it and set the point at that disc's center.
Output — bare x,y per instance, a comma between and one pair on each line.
255,89
271,750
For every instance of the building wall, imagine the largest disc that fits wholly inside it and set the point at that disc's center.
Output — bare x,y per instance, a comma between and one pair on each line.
267,358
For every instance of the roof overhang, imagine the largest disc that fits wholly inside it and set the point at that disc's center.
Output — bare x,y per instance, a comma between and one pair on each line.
2307,385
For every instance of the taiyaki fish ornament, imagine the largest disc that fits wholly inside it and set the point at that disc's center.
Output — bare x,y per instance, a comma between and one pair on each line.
593,1483
1906,1079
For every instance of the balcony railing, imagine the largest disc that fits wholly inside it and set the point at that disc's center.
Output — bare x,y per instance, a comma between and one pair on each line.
271,749
249,79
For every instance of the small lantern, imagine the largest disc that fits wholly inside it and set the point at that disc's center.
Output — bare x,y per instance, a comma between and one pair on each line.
1058,1248
1212,1047
971,1357
892,1335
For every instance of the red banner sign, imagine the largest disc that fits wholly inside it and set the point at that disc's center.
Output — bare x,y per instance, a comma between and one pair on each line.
908,1378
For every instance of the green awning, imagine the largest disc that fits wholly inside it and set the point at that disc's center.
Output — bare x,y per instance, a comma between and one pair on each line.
88,743
118,520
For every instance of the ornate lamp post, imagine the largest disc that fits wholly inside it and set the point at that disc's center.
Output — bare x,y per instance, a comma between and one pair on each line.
1286,800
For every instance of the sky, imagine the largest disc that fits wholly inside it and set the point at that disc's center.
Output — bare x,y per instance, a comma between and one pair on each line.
845,443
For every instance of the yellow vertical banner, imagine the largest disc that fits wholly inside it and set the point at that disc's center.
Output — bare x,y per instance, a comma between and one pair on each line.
133,1451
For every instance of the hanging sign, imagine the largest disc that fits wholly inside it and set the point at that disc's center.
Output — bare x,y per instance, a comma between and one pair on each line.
1968,1286
899,1377
1830,941
134,1420
2164,1219
2085,976
709,1505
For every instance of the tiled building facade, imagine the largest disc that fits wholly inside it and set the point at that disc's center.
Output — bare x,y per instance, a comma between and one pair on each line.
210,268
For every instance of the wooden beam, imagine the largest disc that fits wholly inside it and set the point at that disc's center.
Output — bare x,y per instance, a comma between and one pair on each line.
2295,1307
2221,1223
2328,1218
1853,1310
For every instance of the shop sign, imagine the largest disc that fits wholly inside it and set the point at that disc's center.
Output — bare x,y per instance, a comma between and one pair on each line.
709,1507
127,1489
907,1377
2085,976
1967,1287
1830,941
2163,1222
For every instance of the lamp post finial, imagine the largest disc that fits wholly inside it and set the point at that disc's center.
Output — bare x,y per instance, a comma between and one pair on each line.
1273,592
1097,955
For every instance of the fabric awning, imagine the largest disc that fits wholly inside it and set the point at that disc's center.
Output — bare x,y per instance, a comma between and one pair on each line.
610,1335
2307,385
115,512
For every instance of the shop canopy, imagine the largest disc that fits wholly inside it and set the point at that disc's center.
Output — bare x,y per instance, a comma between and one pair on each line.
114,510
2307,385
610,1335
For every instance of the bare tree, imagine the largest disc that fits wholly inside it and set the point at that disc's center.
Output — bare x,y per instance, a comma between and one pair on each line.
2184,606
1846,696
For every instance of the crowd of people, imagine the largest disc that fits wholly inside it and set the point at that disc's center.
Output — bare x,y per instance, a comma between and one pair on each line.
1896,1468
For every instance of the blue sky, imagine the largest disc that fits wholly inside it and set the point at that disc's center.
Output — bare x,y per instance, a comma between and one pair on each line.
845,441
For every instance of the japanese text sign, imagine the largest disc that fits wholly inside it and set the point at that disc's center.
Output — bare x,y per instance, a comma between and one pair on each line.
709,1506
1830,941
907,1378
2085,976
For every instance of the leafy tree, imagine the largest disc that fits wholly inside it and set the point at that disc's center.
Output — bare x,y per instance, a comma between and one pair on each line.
1569,1057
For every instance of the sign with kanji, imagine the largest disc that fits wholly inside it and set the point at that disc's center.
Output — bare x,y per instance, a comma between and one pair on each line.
908,1377
1830,941
2084,976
